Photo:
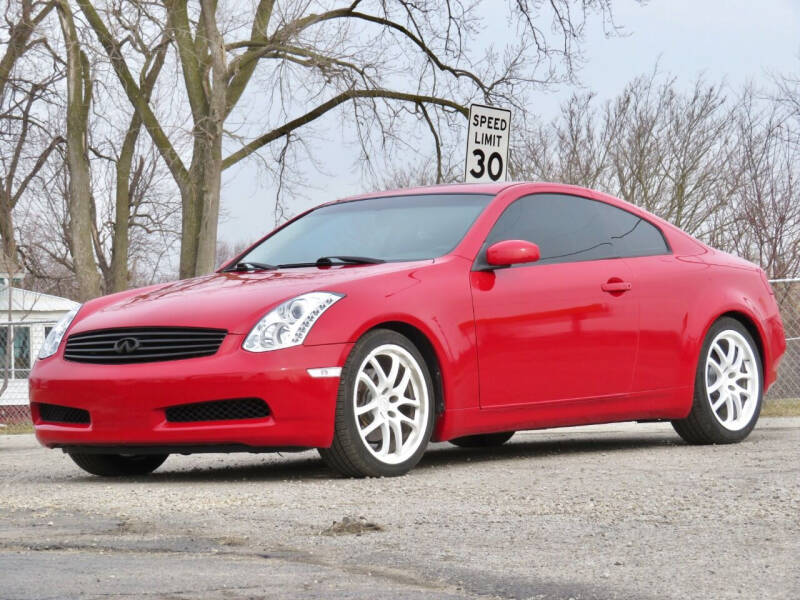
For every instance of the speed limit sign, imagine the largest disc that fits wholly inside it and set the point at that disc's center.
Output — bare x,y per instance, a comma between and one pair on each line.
487,144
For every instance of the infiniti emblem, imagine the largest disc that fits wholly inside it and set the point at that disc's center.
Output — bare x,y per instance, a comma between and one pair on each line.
126,345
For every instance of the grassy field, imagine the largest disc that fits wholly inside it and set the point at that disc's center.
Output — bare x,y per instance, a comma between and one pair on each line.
16,428
788,407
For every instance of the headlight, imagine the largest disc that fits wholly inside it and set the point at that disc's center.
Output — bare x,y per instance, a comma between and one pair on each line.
288,324
53,339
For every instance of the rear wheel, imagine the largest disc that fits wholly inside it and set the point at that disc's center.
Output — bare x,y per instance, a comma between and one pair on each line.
486,440
118,465
384,410
728,387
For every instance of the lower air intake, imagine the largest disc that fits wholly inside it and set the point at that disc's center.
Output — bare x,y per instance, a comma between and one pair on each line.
218,410
54,413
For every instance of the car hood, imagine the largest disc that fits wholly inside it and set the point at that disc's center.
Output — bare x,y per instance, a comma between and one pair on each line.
231,301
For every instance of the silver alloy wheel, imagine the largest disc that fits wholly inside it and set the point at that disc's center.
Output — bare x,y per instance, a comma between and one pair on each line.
391,404
732,380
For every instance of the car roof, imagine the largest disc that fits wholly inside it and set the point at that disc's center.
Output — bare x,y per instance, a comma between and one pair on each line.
447,188
477,188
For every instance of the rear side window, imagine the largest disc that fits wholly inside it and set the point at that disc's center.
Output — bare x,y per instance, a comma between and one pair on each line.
632,235
572,229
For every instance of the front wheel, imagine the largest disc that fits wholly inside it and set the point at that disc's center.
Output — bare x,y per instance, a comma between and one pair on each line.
384,410
118,465
728,387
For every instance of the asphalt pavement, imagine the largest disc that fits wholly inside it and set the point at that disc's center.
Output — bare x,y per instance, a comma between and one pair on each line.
622,511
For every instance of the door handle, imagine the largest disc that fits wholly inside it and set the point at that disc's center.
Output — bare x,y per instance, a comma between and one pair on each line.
615,287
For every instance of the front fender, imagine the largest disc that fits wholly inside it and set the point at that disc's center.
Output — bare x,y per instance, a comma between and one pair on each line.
435,299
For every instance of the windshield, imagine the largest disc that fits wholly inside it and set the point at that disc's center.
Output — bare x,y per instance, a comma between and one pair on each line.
396,228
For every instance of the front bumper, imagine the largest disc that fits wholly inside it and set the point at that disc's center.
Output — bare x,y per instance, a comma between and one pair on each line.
127,403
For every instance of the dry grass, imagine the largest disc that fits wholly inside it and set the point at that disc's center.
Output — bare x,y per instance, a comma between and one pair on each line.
788,407
15,428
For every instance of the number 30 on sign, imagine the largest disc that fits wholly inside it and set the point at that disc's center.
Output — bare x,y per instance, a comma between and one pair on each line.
487,144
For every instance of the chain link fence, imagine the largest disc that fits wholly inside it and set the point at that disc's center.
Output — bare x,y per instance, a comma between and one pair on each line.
19,344
787,293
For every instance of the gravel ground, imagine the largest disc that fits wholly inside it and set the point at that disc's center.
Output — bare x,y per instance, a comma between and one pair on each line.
622,511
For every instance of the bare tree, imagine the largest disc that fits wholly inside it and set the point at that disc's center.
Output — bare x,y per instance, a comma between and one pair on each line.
789,96
79,98
118,221
386,61
654,145
575,148
25,144
765,208
134,169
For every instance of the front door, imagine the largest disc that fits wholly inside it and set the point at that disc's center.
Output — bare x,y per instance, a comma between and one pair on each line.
565,327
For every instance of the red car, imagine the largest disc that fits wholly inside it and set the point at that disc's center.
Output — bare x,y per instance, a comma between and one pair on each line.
370,326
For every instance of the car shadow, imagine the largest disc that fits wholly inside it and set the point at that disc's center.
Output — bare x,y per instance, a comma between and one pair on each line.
447,454
309,466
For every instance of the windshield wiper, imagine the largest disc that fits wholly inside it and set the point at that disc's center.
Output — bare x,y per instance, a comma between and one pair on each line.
349,260
250,266
328,261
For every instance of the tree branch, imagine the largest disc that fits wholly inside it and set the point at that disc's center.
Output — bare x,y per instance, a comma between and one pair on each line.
134,94
325,107
240,71
40,161
191,61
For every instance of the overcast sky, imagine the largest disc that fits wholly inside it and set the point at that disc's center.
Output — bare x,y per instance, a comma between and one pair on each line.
734,40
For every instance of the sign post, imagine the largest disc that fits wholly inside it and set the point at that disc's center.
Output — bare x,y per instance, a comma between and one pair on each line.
487,144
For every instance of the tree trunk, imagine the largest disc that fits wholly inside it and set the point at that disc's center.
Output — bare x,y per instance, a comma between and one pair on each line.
79,97
126,183
212,129
9,242
119,246
190,220
200,201
207,204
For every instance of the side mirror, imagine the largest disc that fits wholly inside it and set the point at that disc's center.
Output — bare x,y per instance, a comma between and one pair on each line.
512,252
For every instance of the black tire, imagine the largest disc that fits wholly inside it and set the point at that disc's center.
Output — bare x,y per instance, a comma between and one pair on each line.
484,440
348,455
701,426
118,465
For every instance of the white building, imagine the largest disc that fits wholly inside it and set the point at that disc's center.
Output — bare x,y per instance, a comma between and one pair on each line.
25,320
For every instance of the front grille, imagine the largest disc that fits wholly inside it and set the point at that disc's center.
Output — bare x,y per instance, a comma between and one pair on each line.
55,413
218,410
144,344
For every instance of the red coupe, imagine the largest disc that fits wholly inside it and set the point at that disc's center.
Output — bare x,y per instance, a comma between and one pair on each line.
370,326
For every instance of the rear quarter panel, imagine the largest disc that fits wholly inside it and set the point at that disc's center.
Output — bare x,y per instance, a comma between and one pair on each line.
683,297
736,286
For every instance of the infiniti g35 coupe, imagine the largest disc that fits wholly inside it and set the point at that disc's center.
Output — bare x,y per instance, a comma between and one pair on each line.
370,326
